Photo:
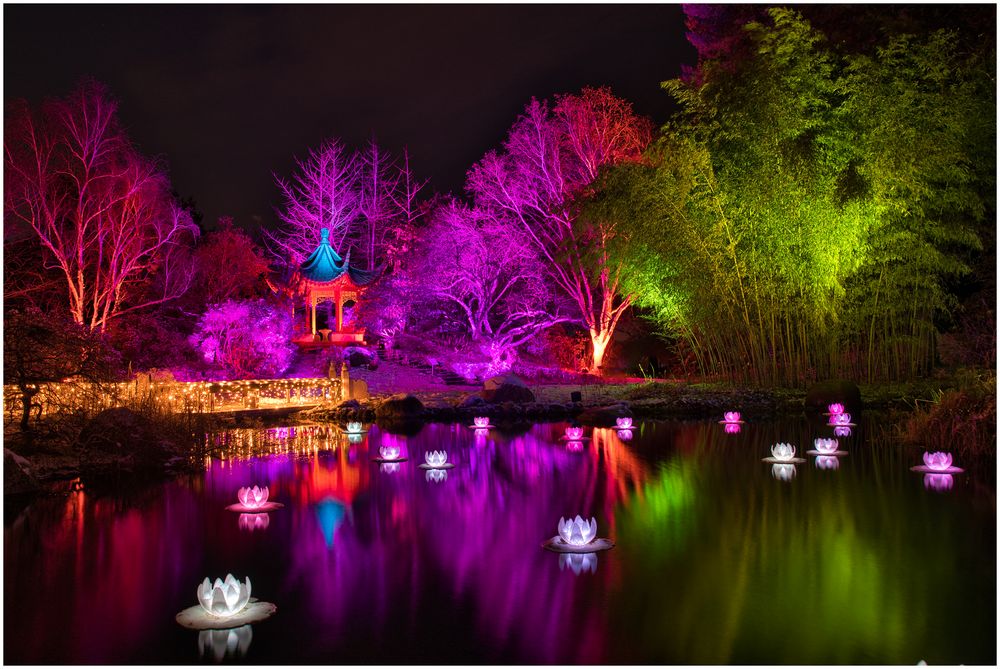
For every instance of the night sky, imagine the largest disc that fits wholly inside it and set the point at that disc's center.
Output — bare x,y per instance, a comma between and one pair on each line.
226,95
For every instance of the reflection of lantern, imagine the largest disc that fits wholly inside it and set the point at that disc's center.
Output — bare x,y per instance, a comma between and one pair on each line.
938,482
625,435
355,438
732,428
254,521
578,562
436,475
234,642
842,431
481,433
783,472
827,462
577,532
224,598
575,446
389,467
841,419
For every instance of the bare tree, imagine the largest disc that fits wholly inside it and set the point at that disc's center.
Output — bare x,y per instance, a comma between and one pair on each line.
102,213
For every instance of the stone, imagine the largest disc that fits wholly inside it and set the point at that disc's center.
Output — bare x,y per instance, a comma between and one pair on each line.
399,407
18,475
825,393
506,388
472,401
349,404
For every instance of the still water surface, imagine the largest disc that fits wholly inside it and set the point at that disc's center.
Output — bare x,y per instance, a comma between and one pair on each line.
718,559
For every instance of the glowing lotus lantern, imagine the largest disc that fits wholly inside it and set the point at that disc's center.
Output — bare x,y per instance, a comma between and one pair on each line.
436,475
355,428
835,409
938,463
732,428
253,500
578,562
224,604
220,644
783,453
827,462
390,454
577,536
481,421
841,419
842,431
828,447
783,472
624,423
938,482
224,598
436,460
731,417
574,433
251,522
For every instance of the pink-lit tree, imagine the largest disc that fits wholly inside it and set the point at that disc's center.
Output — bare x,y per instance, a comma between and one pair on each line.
550,161
487,269
102,213
246,338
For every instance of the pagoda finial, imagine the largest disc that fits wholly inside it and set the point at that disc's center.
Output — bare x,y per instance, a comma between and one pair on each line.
324,235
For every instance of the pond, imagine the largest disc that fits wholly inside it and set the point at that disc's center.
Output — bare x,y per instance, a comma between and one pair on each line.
719,557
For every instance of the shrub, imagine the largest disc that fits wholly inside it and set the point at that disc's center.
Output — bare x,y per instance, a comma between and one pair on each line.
961,420
246,338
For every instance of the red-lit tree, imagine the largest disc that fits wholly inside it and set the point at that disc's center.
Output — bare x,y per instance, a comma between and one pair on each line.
228,264
102,213
551,159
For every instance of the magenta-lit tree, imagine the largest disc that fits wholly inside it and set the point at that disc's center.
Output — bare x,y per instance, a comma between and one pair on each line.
102,213
550,161
489,272
246,338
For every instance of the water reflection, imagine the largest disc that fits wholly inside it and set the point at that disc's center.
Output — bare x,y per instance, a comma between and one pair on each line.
251,522
436,475
783,472
579,563
827,462
225,644
938,482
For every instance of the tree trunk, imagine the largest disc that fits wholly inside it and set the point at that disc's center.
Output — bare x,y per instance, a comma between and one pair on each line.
599,340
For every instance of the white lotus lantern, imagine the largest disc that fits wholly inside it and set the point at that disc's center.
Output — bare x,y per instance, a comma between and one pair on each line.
577,536
252,498
826,447
436,460
841,419
938,462
783,472
389,453
578,562
224,599
783,453
624,423
220,644
355,428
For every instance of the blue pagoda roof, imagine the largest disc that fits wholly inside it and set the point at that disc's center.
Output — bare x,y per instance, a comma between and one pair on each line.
324,265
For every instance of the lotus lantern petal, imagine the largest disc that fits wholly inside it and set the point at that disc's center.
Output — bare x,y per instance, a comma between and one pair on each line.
624,423
783,452
252,498
224,598
835,408
826,446
436,458
481,421
577,532
937,461
389,452
731,417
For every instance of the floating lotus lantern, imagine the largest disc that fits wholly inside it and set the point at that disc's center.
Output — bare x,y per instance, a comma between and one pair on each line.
251,522
220,644
938,463
481,423
783,472
938,482
577,536
835,409
389,467
782,453
827,462
436,460
224,604
578,562
623,423
842,431
575,446
436,475
732,428
731,418
841,420
389,453
827,447
574,433
355,428
253,500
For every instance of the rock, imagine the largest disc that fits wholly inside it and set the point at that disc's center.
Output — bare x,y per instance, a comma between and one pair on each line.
18,476
603,416
122,439
355,356
471,402
825,393
399,407
506,388
349,404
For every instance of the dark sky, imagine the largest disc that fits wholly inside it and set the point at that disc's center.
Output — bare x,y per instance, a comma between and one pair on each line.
226,95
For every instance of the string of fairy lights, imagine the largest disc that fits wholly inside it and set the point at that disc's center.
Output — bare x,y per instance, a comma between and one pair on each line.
174,396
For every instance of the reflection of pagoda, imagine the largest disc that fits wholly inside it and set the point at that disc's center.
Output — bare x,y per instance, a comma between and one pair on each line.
325,276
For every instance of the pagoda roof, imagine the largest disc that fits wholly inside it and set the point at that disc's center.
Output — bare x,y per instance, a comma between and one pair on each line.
324,265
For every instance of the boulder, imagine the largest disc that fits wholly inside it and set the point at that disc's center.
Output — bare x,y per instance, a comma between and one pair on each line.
355,356
471,402
399,407
122,439
506,388
825,393
18,477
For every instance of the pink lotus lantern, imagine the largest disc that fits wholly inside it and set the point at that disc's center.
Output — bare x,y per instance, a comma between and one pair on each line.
577,535
732,428
842,431
574,433
390,453
826,447
842,419
253,500
251,522
481,421
938,482
937,463
731,417
827,462
624,423
835,409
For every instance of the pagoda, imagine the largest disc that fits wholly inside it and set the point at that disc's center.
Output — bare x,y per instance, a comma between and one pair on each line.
326,276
